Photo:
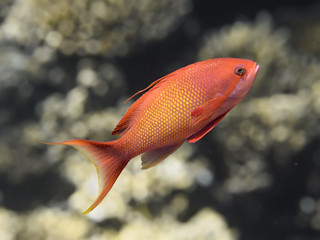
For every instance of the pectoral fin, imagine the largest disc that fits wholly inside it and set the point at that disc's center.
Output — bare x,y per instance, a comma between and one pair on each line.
152,158
198,135
205,111
197,112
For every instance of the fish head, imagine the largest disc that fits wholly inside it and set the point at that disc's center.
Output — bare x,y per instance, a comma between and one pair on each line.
236,76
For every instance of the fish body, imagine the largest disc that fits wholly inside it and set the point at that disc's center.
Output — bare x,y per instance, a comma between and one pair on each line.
183,105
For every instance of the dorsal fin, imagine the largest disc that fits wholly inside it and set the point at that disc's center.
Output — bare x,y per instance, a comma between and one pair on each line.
143,90
161,79
124,123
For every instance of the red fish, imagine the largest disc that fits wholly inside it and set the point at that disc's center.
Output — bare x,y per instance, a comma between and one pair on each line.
183,105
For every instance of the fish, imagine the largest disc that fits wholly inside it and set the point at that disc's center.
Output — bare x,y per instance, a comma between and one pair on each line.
182,106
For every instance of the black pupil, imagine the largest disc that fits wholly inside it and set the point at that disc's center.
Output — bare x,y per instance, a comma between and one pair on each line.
239,70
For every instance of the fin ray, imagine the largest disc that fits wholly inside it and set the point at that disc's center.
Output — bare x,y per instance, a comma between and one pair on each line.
144,90
124,123
200,134
155,83
152,158
106,159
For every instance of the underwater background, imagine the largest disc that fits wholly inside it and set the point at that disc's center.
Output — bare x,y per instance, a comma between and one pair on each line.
66,68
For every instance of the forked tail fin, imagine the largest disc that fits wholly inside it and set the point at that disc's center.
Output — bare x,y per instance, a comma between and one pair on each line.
108,161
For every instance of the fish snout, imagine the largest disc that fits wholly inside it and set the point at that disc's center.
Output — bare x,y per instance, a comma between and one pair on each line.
253,73
256,70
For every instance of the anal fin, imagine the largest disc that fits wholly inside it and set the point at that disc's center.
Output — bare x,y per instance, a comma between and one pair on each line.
152,158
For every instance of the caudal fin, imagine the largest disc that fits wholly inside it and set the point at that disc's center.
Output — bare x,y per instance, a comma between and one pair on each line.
108,162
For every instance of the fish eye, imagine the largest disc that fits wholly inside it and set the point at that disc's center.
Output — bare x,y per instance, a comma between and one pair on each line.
240,70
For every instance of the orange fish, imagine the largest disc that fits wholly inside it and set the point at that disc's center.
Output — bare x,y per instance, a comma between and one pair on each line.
183,105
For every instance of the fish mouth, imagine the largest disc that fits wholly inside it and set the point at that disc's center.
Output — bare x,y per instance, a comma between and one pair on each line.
253,73
256,68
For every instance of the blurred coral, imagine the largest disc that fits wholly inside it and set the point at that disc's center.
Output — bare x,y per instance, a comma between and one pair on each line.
85,27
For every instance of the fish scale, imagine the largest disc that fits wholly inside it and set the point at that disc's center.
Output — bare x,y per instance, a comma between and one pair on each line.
184,105
170,111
